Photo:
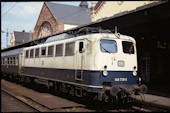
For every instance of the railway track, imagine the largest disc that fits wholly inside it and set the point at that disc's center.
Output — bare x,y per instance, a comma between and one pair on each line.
149,107
11,103
41,102
44,102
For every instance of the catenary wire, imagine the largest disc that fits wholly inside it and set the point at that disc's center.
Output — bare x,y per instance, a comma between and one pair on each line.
8,10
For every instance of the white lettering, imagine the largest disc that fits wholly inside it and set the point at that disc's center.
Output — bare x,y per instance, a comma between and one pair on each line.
120,79
116,79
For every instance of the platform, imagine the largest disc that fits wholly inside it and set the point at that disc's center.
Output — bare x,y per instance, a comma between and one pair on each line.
154,100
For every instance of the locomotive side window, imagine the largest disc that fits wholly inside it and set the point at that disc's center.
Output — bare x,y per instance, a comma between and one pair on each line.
69,49
108,46
59,50
81,46
27,54
128,47
37,52
50,51
43,51
31,53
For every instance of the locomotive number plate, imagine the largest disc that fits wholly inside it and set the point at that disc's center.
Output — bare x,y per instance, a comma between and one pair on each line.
120,79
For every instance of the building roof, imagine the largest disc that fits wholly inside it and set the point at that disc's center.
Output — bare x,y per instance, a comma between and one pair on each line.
22,37
69,14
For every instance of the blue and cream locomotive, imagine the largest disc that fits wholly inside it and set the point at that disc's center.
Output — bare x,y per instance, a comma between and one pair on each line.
101,65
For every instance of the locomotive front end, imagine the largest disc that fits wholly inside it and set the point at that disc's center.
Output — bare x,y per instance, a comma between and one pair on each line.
118,61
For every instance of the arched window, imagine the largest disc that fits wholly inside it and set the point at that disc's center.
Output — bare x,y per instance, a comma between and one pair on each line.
45,29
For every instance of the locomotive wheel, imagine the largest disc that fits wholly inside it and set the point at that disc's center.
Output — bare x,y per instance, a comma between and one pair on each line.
72,91
21,79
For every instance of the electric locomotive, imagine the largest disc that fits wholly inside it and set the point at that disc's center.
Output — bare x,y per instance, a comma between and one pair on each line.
101,65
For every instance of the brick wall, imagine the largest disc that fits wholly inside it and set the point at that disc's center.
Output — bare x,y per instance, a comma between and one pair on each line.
46,15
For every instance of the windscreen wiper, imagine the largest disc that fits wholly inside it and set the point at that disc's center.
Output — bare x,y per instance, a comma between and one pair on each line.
105,49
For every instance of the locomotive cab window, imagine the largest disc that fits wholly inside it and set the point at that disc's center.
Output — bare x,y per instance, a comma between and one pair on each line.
108,46
128,47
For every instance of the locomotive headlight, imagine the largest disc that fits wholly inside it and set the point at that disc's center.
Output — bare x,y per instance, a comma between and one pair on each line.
105,73
134,73
139,79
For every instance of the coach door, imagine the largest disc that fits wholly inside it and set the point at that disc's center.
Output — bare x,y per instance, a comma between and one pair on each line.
79,59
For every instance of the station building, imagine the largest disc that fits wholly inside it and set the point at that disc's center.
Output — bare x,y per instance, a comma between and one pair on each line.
55,17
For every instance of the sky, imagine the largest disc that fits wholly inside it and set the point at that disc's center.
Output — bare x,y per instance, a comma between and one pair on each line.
19,16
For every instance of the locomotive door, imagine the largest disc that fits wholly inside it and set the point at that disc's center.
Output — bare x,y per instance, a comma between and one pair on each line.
79,59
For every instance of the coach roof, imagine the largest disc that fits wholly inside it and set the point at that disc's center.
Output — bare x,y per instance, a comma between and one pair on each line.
12,52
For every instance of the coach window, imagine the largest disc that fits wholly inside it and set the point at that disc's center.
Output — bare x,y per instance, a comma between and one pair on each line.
9,61
69,51
16,61
2,61
5,61
27,54
59,50
13,60
43,51
37,52
50,51
32,53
